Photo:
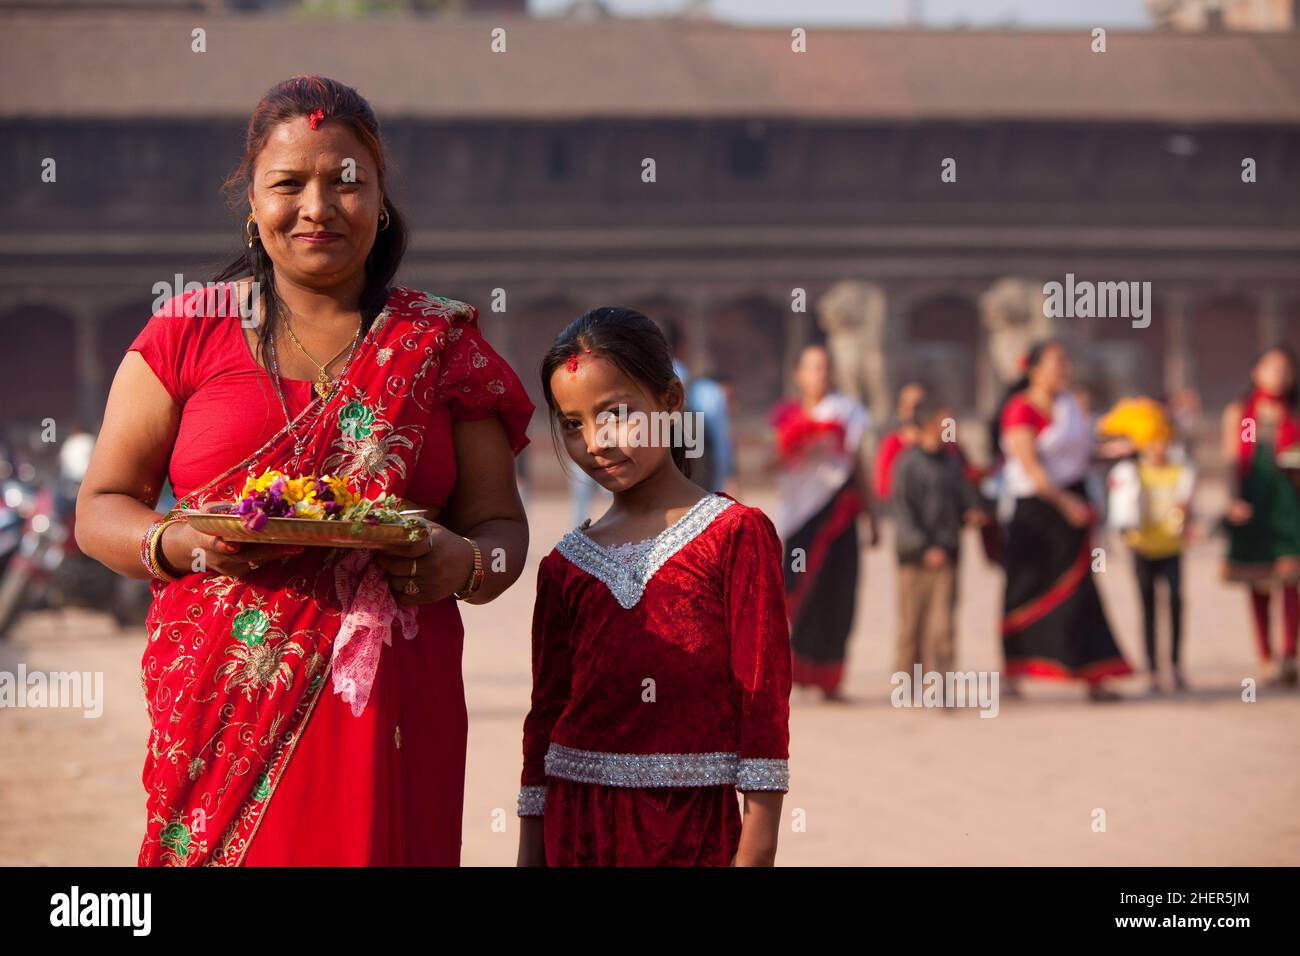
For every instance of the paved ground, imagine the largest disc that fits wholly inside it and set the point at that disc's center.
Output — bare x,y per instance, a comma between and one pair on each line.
1201,779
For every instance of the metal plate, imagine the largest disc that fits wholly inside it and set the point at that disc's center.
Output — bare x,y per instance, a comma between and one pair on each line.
305,531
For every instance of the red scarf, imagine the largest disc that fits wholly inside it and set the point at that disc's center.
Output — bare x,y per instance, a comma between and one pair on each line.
797,431
1288,429
234,666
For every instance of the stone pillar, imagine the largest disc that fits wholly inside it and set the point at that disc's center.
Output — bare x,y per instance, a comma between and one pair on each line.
1178,370
91,386
854,316
798,333
1012,313
697,323
1269,318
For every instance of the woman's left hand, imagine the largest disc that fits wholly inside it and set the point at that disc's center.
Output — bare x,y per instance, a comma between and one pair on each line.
434,567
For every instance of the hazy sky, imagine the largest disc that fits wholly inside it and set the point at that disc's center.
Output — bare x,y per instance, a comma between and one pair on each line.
935,13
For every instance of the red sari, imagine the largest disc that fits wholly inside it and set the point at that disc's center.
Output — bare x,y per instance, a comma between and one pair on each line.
661,686
236,670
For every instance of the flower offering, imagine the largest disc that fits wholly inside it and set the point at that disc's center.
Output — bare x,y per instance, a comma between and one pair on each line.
274,494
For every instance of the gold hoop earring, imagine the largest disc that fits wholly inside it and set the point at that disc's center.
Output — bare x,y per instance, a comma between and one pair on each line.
384,219
248,230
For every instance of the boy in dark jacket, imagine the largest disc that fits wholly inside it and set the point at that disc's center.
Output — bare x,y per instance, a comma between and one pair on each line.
932,501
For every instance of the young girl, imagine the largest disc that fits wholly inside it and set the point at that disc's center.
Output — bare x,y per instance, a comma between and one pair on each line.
661,650
1261,441
1150,500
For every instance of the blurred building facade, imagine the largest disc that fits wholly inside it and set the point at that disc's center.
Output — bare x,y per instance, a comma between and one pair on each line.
780,178
1226,14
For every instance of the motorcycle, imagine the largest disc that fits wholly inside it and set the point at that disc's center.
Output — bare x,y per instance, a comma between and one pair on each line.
47,570
17,499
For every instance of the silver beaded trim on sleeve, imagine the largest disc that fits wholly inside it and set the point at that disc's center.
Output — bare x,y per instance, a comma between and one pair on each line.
532,802
763,773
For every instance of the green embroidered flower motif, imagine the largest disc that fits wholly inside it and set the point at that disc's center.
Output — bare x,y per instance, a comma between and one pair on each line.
250,625
176,837
263,789
356,420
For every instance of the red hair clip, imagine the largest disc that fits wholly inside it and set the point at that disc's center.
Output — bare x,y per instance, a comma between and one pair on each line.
315,117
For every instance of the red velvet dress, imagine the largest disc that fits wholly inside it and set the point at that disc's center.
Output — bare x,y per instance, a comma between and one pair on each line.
661,686
385,787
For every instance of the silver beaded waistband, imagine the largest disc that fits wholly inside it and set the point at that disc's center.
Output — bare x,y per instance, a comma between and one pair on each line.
667,770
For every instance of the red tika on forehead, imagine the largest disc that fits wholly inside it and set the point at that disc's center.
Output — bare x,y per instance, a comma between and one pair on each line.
315,117
572,363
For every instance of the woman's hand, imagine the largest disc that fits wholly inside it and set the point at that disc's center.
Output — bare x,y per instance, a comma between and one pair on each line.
1076,511
439,564
233,559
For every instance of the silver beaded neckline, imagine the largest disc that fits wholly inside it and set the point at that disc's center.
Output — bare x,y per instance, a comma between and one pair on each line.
627,569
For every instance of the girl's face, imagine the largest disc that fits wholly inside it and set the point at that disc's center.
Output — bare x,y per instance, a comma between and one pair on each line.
318,183
616,450
1274,374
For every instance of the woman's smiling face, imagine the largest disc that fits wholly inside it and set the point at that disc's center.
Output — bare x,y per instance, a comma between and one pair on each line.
316,201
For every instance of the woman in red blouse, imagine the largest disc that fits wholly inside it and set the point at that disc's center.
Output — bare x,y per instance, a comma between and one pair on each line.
260,753
661,649
1053,621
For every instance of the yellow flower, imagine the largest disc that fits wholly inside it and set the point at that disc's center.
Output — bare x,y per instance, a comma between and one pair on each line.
308,509
300,489
342,493
262,481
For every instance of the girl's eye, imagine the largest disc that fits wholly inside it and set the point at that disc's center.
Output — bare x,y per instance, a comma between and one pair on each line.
569,424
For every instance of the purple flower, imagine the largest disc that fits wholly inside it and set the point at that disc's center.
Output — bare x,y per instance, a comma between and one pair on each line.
253,521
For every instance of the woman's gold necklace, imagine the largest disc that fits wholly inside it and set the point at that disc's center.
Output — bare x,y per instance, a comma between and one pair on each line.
279,390
323,381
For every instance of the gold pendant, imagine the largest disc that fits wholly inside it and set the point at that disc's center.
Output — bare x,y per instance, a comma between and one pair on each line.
322,387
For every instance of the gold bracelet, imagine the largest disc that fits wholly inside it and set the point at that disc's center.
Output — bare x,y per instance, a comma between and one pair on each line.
475,576
155,565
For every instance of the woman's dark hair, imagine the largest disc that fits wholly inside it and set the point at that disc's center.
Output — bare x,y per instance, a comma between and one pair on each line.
301,96
1292,397
1032,360
632,342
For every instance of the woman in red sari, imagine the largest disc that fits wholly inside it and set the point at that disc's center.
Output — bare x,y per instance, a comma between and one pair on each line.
291,726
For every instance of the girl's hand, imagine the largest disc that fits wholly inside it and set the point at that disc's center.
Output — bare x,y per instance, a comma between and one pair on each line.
435,567
532,845
234,559
760,825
